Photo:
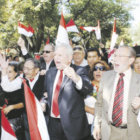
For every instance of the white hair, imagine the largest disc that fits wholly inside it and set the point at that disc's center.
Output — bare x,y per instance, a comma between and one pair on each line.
67,47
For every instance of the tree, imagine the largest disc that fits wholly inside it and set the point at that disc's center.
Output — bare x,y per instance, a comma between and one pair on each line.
44,16
87,12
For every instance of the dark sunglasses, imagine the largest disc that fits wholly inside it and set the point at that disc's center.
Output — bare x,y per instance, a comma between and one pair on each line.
101,68
77,48
46,51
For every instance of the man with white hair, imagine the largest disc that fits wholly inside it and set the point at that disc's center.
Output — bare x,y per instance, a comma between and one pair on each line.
66,85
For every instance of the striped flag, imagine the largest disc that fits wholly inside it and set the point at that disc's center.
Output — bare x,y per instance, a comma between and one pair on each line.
71,27
88,28
27,31
62,34
7,132
37,124
113,42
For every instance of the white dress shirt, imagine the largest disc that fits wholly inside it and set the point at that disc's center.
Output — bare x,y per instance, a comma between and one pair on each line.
78,86
34,81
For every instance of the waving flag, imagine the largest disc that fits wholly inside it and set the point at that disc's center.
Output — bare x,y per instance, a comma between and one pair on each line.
113,42
98,31
37,124
88,28
7,132
62,35
27,31
71,27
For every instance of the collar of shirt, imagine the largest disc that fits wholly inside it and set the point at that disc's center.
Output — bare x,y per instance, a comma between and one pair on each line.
127,74
34,81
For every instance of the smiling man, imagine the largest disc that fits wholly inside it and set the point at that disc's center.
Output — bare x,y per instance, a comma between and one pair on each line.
115,111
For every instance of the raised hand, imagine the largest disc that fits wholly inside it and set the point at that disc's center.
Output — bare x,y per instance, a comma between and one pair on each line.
70,72
3,62
21,43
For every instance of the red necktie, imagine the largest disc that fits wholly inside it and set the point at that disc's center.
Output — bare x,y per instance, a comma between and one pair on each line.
55,107
118,102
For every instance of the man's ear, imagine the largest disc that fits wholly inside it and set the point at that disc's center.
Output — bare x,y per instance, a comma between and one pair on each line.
131,60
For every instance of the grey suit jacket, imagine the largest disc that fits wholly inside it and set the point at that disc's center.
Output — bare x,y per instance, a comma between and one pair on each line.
104,100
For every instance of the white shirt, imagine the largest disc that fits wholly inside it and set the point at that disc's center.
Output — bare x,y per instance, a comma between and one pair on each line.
24,51
90,102
78,86
34,81
10,86
127,79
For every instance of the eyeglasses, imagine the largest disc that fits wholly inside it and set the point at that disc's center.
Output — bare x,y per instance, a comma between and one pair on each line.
77,48
101,68
47,51
121,55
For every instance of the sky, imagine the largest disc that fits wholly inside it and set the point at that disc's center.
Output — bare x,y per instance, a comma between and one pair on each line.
136,13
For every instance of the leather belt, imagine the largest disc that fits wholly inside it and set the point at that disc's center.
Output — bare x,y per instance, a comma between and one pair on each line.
122,127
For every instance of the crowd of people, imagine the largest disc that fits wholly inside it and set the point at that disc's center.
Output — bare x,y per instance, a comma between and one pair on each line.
82,96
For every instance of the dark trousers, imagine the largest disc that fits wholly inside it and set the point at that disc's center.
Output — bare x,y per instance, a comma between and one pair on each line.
56,131
26,127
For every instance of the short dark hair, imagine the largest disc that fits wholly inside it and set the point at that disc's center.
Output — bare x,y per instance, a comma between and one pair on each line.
93,50
15,65
34,61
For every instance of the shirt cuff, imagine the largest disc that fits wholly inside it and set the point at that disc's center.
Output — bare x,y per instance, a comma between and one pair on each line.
24,51
79,84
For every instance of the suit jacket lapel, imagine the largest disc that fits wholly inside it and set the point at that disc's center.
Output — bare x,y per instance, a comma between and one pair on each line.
65,80
111,85
53,76
134,88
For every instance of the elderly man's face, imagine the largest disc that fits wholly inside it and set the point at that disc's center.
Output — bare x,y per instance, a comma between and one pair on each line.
61,58
122,60
78,57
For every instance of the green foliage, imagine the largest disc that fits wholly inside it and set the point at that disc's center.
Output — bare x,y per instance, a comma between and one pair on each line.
88,12
44,16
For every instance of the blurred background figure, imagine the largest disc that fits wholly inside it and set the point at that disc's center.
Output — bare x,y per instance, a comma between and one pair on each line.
137,64
79,56
13,96
97,70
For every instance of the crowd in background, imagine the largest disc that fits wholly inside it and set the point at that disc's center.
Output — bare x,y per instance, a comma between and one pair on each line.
35,69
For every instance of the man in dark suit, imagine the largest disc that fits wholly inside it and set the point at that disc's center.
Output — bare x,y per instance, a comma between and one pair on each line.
47,59
66,85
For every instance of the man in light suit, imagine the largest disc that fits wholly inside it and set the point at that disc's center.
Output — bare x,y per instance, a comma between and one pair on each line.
70,121
104,126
